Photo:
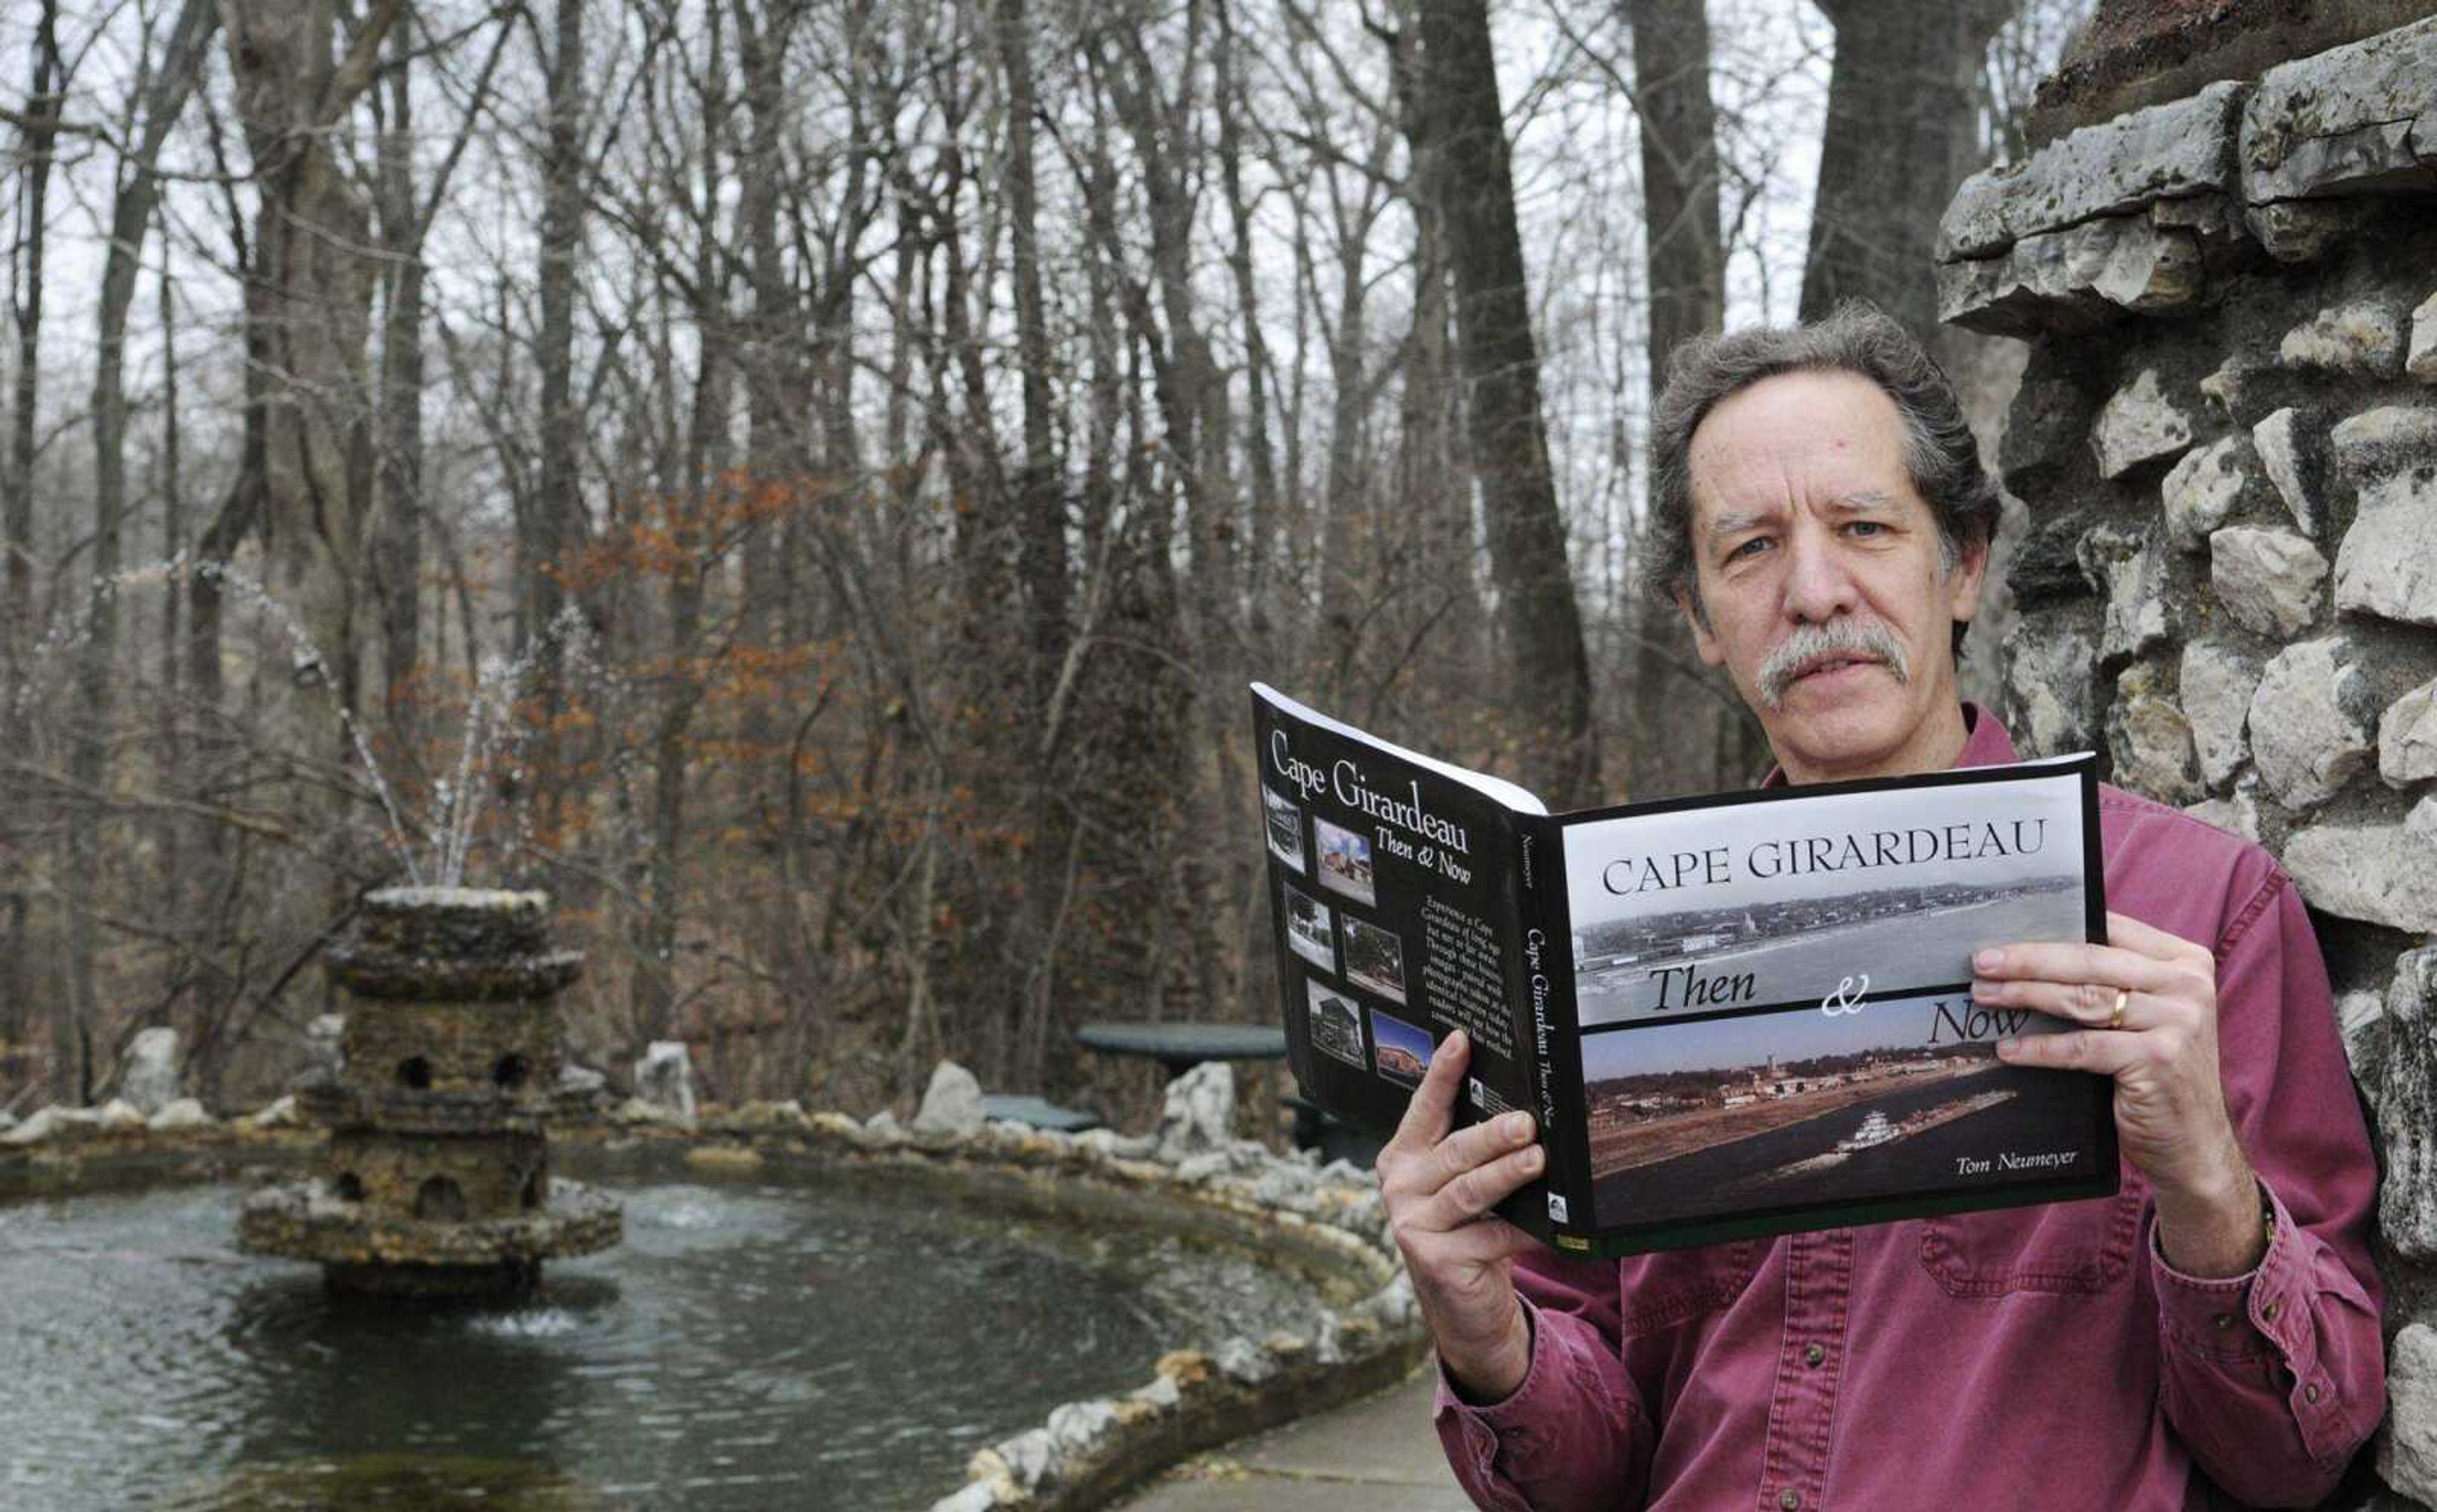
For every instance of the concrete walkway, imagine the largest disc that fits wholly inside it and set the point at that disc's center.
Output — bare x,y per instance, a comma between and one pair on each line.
1379,1454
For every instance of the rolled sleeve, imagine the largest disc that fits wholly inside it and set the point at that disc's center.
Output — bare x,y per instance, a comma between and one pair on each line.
1571,1435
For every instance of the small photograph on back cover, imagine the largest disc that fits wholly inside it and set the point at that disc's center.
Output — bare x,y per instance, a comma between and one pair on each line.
1403,1049
1336,1024
1308,929
1284,827
1374,958
1345,861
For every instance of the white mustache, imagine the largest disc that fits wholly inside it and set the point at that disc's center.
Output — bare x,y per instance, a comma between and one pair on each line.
1835,637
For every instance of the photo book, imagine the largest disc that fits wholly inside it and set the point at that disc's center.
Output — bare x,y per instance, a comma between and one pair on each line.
1733,1015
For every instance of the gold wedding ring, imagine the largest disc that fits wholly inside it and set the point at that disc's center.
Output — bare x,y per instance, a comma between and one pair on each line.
2115,1019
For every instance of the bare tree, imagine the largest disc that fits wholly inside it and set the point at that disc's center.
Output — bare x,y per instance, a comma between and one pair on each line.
1510,449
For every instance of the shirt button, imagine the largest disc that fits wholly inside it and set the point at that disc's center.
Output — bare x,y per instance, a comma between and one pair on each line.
1789,1499
2269,1312
2223,1320
1812,1355
2310,1394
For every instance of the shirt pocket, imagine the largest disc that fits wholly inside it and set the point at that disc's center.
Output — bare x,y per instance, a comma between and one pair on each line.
1676,1286
2062,1248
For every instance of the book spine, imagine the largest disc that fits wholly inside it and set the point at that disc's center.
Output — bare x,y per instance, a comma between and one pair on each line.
1544,1008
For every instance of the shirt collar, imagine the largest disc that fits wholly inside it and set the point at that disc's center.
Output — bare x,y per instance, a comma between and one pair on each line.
1985,744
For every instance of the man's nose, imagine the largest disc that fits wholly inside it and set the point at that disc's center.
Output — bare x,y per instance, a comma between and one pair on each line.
1818,588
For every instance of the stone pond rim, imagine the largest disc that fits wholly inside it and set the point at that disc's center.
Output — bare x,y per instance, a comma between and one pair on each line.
438,1175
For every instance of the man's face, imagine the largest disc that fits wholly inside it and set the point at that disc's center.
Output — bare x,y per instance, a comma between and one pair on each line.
1827,597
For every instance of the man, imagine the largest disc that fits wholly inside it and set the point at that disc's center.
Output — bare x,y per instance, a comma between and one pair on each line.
2210,1333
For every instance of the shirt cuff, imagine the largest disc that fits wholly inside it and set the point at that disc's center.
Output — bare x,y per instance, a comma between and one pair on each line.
2234,1318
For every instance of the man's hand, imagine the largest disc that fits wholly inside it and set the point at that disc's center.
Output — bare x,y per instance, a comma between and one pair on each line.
1439,1189
2161,1049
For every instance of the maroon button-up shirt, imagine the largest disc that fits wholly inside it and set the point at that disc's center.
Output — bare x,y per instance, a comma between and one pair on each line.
2040,1356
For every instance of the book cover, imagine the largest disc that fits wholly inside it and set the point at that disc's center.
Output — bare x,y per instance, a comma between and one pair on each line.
1738,1015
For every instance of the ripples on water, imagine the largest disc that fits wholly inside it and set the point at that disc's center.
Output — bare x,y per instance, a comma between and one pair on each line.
795,1340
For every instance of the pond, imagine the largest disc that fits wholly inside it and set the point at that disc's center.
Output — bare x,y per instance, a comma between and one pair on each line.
790,1336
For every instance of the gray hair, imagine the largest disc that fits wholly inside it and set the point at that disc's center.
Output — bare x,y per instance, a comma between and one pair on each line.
1940,455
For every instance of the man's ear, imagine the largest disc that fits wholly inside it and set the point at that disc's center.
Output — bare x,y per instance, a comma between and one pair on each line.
1703,641
1964,583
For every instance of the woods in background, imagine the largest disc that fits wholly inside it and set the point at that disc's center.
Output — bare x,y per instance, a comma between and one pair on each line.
841,461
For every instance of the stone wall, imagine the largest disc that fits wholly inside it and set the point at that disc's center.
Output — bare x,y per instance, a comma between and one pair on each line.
2226,437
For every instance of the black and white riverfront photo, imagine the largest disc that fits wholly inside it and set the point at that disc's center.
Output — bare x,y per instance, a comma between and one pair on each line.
1308,929
1374,958
1345,861
1804,1105
1285,828
1335,1023
1851,894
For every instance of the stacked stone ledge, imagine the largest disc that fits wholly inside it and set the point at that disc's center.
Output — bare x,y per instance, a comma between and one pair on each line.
2227,438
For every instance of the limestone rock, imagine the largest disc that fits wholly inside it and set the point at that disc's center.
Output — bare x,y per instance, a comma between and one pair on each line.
2201,489
664,1077
1079,1428
44,1123
973,1496
119,1116
582,1082
2376,873
8,1120
2130,571
2386,439
1200,1112
2407,1105
2047,426
2217,683
2290,456
150,1079
1245,1363
2362,336
2084,276
2421,360
2407,738
180,1113
1031,1458
2048,678
2300,230
2185,147
278,1114
2238,813
326,1044
2312,721
2229,385
2140,423
761,1116
883,1127
2361,1018
2339,122
2407,1445
2152,741
2267,579
951,1104
2387,564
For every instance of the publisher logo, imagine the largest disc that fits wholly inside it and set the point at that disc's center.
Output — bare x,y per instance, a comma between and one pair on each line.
1556,1208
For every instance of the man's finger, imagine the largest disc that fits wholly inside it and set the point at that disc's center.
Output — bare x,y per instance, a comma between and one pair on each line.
2124,930
1481,1189
2080,1002
2062,961
2095,1050
1433,1109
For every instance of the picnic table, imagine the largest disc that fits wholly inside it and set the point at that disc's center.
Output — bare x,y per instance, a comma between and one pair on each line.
1181,1047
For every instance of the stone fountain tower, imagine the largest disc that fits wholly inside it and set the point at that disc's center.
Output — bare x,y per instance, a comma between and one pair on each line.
438,1175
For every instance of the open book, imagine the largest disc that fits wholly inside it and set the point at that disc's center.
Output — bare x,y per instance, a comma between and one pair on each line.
1732,1016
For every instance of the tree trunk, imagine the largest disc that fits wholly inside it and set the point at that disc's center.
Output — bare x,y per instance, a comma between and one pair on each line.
44,99
1899,138
1558,750
397,545
130,219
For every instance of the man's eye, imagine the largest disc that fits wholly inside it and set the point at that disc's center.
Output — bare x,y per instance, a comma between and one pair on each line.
1750,547
1866,528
